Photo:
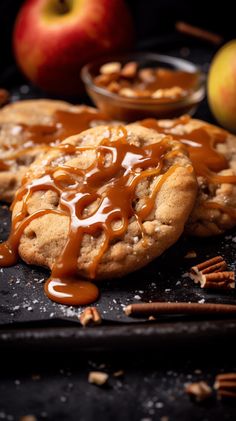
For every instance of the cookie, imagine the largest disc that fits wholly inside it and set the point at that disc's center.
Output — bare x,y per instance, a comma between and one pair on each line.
28,127
213,154
104,203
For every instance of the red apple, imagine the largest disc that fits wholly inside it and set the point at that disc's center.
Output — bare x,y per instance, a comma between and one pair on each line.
53,39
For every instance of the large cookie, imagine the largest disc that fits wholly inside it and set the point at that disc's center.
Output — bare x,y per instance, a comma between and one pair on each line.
105,202
28,127
213,154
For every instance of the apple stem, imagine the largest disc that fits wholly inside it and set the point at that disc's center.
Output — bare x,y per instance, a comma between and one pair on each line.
63,7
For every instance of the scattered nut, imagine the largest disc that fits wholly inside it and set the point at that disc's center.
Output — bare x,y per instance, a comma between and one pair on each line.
173,93
129,70
90,317
98,377
113,87
147,75
128,92
104,80
200,390
190,254
109,68
118,373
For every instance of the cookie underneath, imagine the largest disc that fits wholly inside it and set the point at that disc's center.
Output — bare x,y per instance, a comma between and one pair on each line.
27,128
213,153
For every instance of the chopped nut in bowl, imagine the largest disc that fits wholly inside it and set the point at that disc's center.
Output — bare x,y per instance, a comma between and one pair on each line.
139,85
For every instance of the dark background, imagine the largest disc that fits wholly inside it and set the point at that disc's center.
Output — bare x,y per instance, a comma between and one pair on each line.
53,385
153,19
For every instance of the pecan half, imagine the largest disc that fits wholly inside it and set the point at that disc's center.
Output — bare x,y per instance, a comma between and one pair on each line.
98,377
199,391
110,68
90,317
129,70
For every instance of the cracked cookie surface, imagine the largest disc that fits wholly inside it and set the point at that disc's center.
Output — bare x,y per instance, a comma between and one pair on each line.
155,211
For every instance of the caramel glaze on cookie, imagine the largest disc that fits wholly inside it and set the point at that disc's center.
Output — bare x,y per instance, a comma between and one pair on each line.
101,198
49,123
212,151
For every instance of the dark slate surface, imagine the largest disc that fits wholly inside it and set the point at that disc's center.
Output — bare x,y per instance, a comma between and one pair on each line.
21,293
22,297
54,387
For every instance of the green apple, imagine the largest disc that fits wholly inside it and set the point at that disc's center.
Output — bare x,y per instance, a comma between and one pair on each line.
222,86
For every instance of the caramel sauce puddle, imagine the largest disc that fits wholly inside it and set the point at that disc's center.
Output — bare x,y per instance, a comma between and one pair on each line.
97,200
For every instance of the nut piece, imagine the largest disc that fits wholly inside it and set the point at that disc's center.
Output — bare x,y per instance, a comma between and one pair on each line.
191,254
172,93
129,70
104,80
151,318
98,377
109,68
130,93
90,317
118,373
113,87
147,75
225,385
199,391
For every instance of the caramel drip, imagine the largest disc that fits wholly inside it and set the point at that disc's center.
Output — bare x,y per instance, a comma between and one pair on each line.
64,124
98,200
222,208
200,143
207,161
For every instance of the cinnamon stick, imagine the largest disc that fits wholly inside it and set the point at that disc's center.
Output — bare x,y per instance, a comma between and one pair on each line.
156,308
194,31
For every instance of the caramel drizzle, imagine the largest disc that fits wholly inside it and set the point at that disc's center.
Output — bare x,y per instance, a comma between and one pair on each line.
64,124
201,145
222,208
109,187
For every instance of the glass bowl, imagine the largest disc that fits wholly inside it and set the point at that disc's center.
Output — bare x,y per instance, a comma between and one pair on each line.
131,109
